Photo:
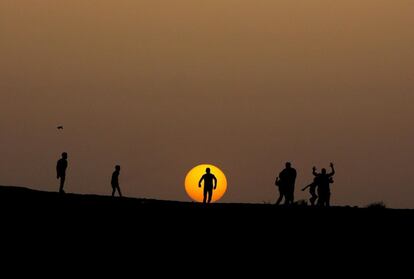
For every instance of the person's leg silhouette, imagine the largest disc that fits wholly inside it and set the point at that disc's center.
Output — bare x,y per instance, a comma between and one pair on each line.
281,195
320,200
205,195
328,200
210,195
288,198
279,200
292,195
313,199
62,184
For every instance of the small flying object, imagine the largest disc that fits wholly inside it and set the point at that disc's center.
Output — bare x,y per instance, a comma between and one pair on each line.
60,127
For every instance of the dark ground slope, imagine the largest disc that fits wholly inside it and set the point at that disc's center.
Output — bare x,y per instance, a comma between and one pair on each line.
26,205
254,237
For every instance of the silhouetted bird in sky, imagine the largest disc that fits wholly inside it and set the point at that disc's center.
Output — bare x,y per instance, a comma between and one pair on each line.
60,127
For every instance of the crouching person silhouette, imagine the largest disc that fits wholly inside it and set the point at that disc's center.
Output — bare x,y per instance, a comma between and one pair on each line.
210,182
312,189
115,181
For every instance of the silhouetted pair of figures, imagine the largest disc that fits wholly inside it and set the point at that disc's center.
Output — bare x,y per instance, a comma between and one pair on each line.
286,183
320,189
62,166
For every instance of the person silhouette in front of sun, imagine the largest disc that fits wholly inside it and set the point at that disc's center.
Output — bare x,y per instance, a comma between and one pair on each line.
115,181
287,179
324,179
61,167
210,182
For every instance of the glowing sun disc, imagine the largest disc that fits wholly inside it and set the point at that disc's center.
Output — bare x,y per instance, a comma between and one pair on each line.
193,177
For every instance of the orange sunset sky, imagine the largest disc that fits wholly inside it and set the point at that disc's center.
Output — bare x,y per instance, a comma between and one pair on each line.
159,86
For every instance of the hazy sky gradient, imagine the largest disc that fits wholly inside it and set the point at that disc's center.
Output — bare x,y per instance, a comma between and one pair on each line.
160,86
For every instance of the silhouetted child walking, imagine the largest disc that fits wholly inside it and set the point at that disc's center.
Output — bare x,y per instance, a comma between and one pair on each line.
282,191
115,181
61,166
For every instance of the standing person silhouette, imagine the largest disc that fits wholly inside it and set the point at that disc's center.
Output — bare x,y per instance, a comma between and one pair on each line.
287,181
210,182
61,166
115,181
323,180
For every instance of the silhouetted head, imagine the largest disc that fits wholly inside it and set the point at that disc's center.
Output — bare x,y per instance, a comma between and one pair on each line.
64,155
118,167
323,171
208,170
288,165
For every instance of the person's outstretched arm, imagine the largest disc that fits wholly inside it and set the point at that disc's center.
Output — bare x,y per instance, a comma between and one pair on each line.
201,180
332,170
215,182
306,187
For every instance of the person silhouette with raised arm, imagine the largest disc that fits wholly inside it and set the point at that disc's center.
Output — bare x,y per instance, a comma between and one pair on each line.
287,181
324,180
210,182
115,181
61,166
